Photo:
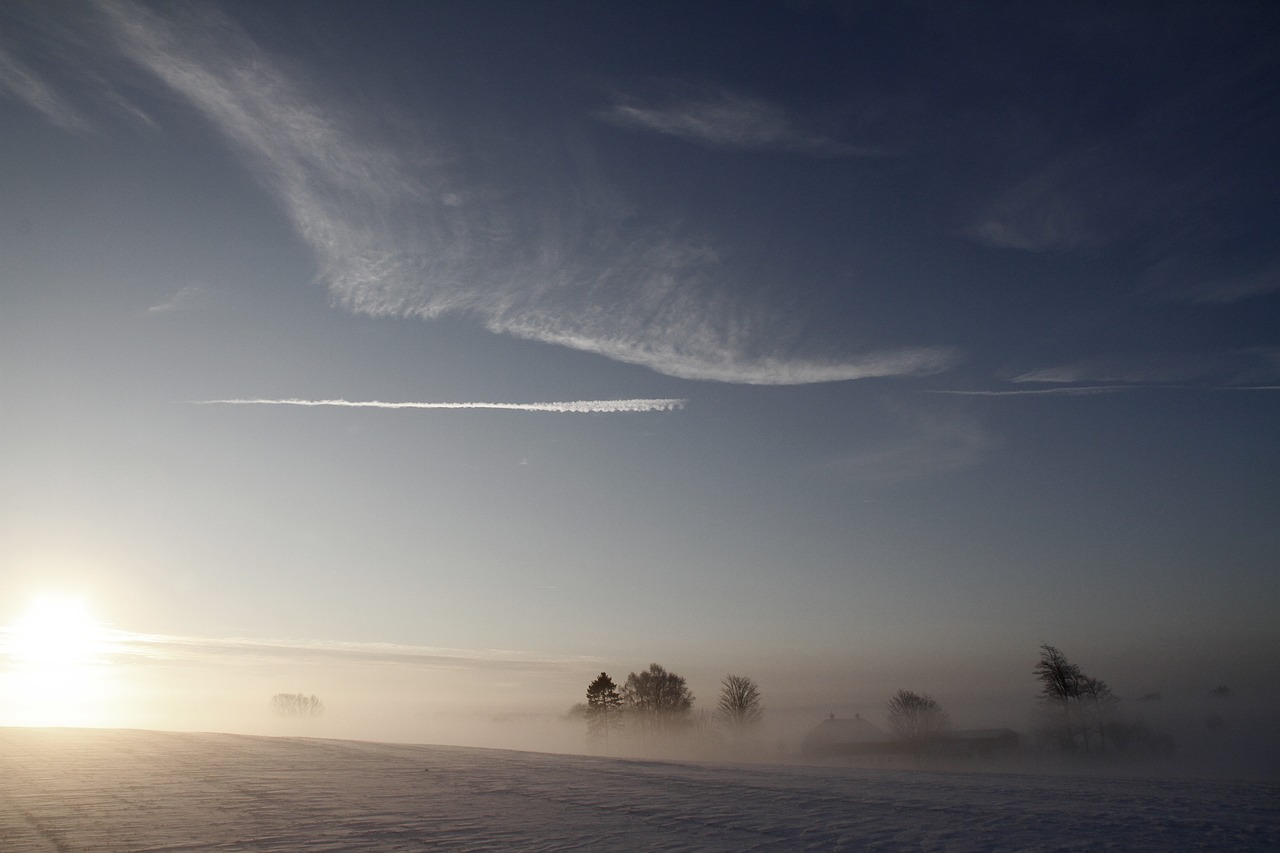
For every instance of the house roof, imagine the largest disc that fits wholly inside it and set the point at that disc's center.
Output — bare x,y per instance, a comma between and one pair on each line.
856,730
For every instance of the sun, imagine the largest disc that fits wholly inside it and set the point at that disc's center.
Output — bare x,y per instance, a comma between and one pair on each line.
55,673
55,631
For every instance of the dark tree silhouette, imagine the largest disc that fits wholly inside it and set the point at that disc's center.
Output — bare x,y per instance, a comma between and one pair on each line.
1098,706
917,720
658,700
1084,705
604,707
1059,678
297,705
740,706
1060,689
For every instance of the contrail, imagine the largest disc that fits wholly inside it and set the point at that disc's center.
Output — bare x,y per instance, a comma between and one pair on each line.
1087,390
579,406
1070,391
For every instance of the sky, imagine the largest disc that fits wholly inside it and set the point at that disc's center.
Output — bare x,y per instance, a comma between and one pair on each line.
435,357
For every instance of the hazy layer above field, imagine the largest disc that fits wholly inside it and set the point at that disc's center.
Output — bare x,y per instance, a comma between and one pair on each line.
101,790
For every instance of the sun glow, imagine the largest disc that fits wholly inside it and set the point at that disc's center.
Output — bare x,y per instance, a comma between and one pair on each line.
54,669
55,631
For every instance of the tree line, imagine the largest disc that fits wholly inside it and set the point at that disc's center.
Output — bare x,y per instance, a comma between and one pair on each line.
297,705
1082,714
657,702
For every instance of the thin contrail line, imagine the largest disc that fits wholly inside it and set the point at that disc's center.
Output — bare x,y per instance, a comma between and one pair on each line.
1070,391
1088,390
579,406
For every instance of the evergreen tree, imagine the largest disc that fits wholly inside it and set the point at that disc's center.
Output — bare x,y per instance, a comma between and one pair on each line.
604,707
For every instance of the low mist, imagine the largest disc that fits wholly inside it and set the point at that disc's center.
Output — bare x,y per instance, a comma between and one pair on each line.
1156,720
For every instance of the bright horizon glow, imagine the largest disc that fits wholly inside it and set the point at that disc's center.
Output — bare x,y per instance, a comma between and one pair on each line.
56,674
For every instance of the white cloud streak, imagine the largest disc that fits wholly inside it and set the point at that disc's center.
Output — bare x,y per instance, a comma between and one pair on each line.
418,229
576,407
725,120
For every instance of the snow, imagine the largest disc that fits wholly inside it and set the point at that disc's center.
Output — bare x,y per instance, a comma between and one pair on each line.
105,790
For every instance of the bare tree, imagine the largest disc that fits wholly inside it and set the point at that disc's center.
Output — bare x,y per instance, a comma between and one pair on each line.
740,706
1086,704
604,707
917,720
1098,707
658,699
1060,681
297,705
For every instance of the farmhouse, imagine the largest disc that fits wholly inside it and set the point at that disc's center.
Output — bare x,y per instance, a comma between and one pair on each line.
860,737
855,736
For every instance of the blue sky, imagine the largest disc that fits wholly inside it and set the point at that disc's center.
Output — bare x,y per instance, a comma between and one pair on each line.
957,325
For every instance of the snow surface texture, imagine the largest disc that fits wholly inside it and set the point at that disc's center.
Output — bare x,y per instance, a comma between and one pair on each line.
103,790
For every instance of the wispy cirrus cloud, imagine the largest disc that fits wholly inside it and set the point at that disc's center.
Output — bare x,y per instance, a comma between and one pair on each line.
22,83
1255,369
927,444
723,120
1045,212
122,647
183,299
1176,183
520,242
1121,373
1225,369
576,407
1068,391
1170,279
1094,390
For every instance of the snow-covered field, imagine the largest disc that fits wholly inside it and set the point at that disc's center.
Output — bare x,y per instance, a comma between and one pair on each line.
102,790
